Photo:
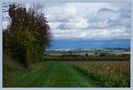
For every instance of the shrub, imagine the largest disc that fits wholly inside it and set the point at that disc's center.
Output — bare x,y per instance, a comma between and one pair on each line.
103,54
27,35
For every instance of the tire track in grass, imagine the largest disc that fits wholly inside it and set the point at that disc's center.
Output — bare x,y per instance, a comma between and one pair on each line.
44,78
83,79
76,78
62,78
28,77
64,75
55,74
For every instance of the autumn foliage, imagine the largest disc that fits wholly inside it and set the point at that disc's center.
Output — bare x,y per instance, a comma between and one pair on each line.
27,36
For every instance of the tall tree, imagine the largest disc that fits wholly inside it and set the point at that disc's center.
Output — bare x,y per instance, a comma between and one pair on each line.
27,36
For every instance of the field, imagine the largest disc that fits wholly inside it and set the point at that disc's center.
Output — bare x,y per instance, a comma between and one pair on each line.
109,73
51,74
72,74
87,56
71,70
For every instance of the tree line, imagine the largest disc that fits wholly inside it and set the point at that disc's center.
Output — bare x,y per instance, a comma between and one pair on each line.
27,36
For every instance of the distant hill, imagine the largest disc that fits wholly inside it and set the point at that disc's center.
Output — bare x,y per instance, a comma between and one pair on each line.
89,49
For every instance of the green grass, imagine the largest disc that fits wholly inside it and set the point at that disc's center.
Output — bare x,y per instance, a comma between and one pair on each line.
50,74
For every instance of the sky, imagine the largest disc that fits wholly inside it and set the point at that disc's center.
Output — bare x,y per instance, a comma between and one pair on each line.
86,25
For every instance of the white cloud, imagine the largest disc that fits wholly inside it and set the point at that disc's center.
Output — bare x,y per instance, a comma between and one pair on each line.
87,20
79,23
73,10
70,10
121,6
5,24
90,21
91,34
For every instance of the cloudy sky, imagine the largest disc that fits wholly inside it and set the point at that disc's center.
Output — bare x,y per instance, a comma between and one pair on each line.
86,25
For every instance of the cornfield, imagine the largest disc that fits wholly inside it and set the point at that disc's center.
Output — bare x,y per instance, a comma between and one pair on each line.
108,73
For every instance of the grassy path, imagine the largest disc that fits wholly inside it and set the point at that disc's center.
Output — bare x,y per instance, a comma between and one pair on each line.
53,74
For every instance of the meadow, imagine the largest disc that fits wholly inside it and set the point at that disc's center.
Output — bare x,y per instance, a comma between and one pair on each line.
112,69
71,70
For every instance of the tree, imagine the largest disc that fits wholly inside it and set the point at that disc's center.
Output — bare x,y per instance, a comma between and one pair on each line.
86,54
27,36
96,53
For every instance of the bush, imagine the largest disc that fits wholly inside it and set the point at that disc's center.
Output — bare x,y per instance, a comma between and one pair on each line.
103,54
125,55
27,35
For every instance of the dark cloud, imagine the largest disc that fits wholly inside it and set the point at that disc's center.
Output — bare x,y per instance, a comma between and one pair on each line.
105,10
